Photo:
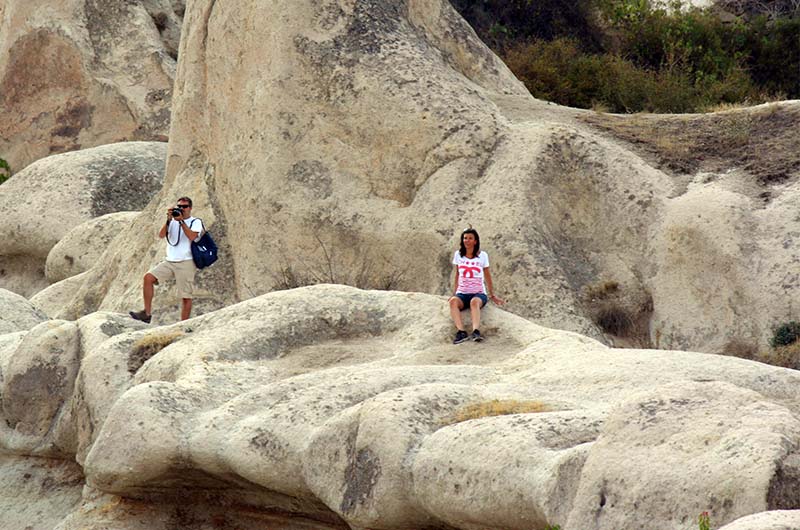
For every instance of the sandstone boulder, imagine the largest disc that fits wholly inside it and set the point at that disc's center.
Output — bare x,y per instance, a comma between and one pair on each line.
51,300
337,404
80,248
705,429
83,73
17,314
52,196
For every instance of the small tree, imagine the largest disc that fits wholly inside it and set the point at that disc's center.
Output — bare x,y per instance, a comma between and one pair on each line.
5,170
785,334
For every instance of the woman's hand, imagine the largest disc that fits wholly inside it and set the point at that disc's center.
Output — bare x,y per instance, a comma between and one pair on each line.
496,299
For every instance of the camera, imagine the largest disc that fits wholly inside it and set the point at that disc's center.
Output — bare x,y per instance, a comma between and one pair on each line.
176,212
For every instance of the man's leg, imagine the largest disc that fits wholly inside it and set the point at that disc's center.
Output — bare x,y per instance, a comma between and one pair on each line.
186,308
147,292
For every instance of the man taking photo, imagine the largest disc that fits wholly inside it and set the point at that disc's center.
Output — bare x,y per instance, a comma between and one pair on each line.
179,230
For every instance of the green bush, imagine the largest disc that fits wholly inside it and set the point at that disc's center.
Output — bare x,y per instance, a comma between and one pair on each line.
785,334
5,171
637,55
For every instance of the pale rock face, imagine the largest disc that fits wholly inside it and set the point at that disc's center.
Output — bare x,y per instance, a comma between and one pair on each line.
80,248
351,407
38,378
37,492
705,429
17,314
42,203
341,405
50,300
774,520
81,73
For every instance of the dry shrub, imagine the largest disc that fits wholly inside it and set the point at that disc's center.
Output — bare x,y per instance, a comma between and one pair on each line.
149,345
600,291
740,348
496,407
787,356
620,314
362,268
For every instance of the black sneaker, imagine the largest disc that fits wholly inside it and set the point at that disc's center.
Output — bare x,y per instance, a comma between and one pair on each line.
140,315
476,336
461,336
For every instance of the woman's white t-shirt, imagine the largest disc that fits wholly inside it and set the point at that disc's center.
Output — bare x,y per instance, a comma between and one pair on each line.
470,272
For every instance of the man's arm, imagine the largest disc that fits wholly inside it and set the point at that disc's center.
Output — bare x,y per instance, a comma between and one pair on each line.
188,231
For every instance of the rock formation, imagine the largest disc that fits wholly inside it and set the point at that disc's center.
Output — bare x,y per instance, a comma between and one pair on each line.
350,143
42,203
351,408
80,248
81,73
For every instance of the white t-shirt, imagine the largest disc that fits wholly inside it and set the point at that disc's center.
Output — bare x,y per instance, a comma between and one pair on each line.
182,251
470,272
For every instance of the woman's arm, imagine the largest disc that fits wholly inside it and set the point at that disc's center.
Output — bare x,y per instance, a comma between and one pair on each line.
488,275
455,280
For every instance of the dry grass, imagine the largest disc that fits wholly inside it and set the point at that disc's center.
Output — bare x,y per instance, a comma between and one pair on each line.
786,356
496,407
149,345
761,140
740,348
601,291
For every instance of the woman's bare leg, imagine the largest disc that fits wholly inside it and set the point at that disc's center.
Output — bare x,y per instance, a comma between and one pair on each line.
475,312
456,305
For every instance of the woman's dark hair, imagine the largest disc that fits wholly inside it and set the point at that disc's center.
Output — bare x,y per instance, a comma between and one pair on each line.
463,249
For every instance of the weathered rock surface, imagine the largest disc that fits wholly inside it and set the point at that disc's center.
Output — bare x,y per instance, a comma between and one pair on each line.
349,407
80,248
50,300
37,493
395,130
775,520
17,314
42,203
82,73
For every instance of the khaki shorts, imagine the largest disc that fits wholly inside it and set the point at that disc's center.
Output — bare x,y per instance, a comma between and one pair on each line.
182,271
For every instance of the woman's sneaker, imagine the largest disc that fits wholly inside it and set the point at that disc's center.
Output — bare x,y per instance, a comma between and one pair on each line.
461,336
476,336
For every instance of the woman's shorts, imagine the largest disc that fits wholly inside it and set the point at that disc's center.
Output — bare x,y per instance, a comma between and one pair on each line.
467,297
182,271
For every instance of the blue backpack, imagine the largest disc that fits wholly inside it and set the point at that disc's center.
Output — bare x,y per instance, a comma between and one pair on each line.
204,251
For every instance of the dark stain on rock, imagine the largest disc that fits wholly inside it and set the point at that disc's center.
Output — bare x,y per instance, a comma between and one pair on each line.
42,61
266,443
73,118
313,175
124,183
37,395
361,475
784,488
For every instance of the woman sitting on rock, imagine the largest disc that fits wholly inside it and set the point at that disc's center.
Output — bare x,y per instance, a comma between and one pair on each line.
469,290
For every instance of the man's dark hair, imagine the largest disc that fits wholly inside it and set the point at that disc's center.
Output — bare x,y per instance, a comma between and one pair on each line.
187,199
463,249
